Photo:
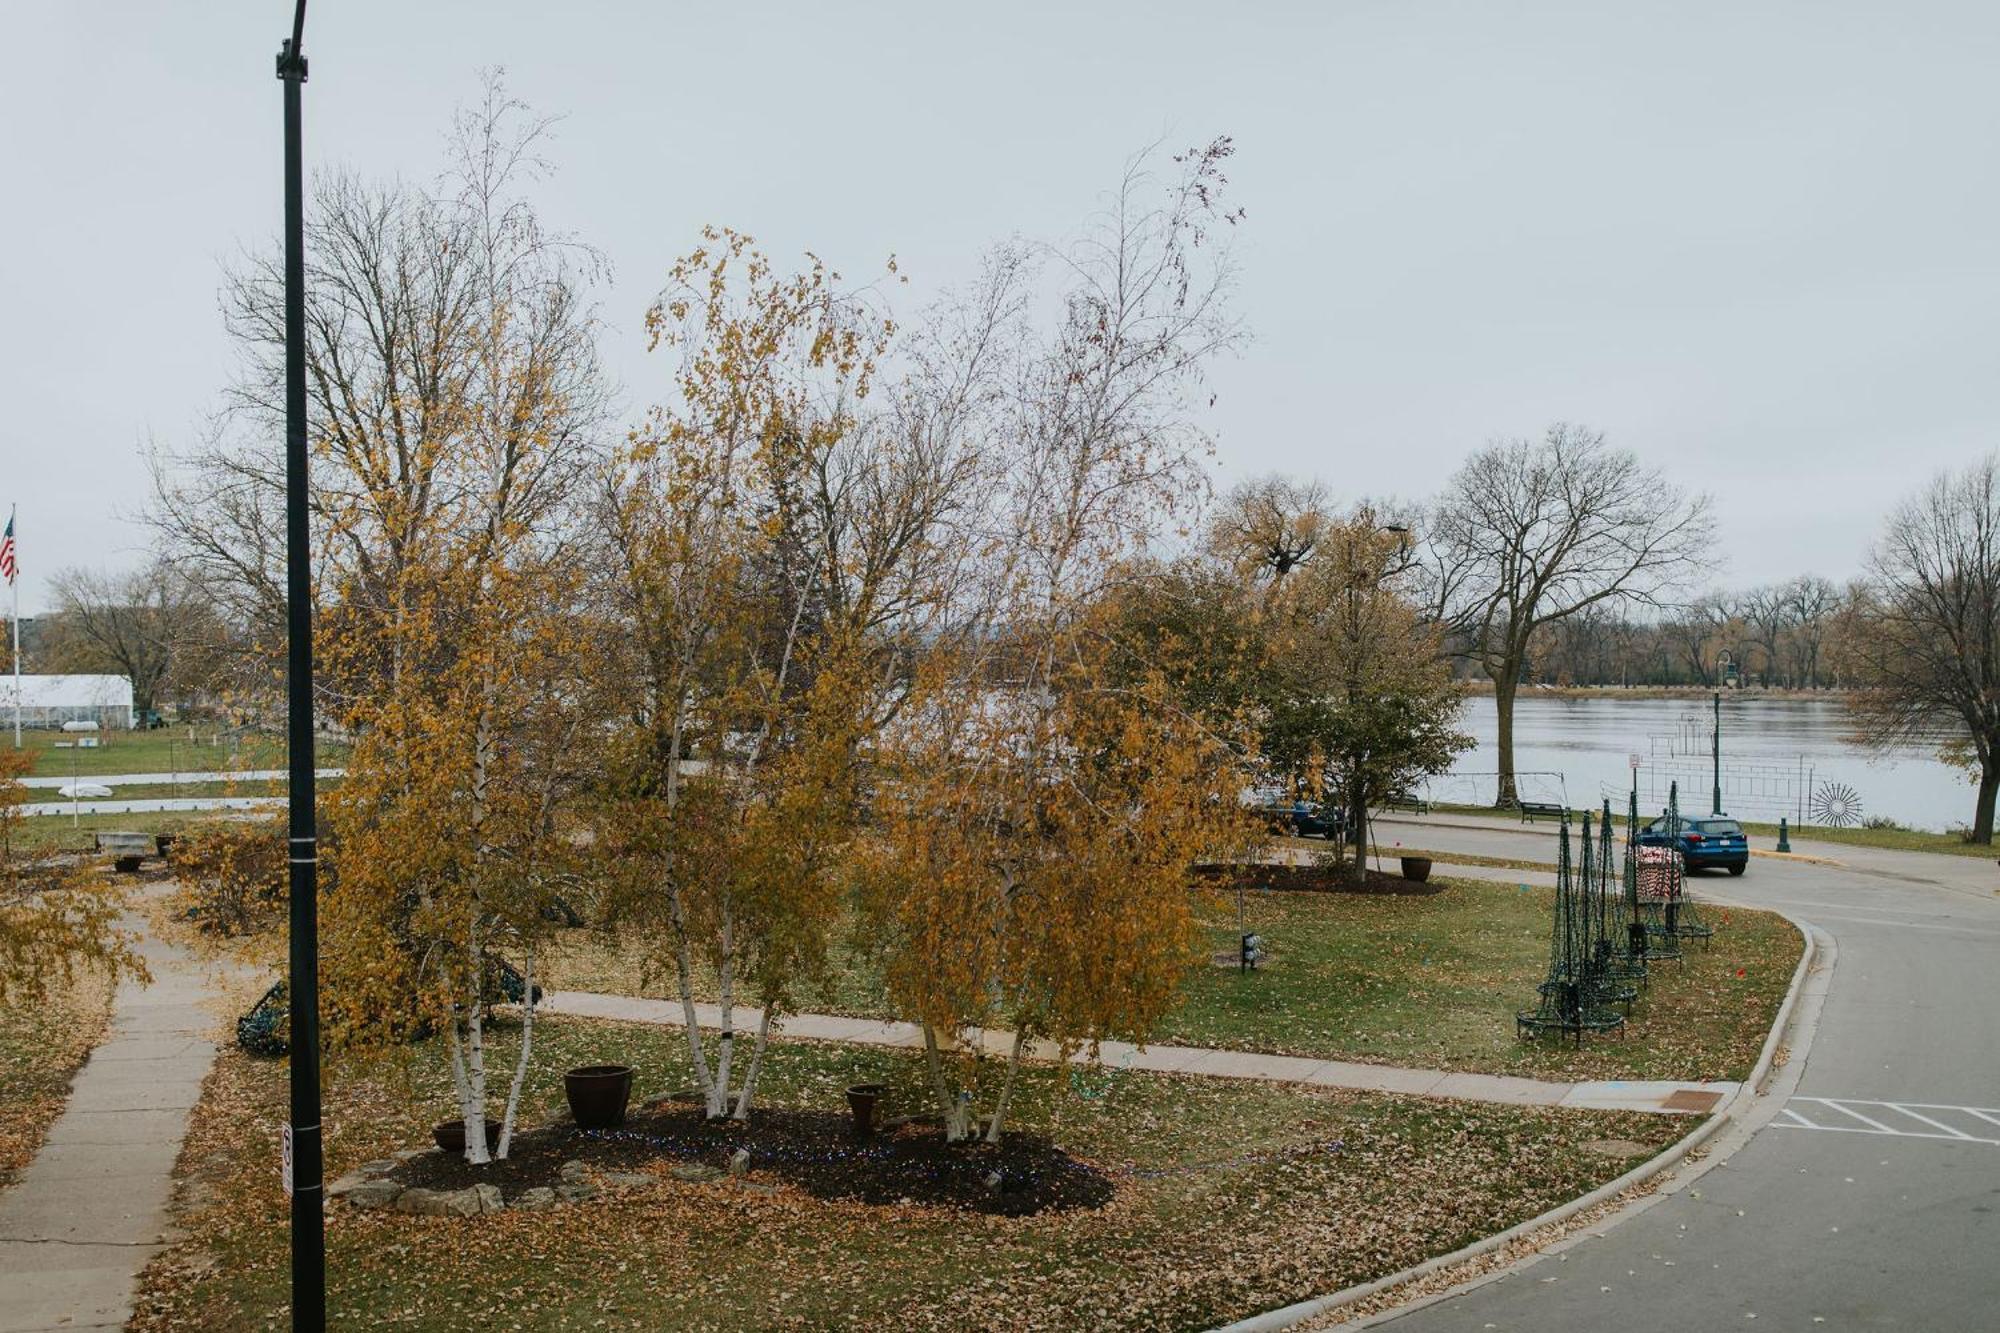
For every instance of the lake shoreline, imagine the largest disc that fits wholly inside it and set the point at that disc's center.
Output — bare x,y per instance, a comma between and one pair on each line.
1484,689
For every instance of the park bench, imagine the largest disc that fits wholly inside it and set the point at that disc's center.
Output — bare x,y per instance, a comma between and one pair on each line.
1405,801
127,849
1547,809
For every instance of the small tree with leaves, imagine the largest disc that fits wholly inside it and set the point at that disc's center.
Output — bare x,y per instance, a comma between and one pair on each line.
53,922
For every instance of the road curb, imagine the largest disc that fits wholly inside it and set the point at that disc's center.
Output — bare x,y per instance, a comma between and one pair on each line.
1658,1165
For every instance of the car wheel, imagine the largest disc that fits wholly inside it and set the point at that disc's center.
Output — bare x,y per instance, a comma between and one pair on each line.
1737,870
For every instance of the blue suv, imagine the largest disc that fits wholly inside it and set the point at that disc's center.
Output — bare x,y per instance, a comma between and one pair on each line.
1704,841
1305,819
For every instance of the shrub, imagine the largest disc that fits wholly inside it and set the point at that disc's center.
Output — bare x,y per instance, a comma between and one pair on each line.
235,871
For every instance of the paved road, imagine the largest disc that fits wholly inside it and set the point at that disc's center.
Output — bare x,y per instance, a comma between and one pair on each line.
154,805
1871,1200
188,776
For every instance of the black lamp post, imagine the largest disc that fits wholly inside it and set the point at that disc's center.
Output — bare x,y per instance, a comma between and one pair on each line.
1716,742
302,991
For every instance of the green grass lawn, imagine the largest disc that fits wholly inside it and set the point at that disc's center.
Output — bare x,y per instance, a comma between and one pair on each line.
62,833
1429,982
1228,1202
1434,982
165,750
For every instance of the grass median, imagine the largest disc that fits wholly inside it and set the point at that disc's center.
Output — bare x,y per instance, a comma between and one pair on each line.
1229,1198
1427,982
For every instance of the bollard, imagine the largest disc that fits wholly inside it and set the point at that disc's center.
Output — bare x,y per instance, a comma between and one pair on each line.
1784,835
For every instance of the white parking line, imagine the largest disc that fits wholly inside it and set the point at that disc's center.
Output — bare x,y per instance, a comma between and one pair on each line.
1928,1121
1848,1110
1886,1117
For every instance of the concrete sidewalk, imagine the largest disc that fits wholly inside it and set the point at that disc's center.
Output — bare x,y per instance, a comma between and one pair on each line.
1616,1095
91,1209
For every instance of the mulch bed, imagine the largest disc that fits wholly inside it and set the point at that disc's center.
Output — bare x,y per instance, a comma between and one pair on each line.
815,1151
1313,879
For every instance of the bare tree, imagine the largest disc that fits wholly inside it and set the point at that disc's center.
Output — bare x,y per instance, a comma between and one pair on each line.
1767,614
1696,633
145,625
1928,648
440,323
1813,603
1530,533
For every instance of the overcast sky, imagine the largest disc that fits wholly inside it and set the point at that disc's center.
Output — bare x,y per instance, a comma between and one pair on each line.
1755,243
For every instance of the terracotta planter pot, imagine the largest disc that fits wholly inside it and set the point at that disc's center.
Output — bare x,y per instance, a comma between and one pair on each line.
598,1094
450,1135
1417,868
861,1099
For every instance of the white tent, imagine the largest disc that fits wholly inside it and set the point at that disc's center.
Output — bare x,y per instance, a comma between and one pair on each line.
50,701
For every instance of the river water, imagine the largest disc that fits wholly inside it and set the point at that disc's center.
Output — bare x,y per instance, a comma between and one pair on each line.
1779,757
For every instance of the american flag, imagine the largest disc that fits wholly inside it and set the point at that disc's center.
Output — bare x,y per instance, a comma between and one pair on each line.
7,565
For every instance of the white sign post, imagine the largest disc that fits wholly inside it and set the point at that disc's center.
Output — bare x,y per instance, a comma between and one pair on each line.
285,1161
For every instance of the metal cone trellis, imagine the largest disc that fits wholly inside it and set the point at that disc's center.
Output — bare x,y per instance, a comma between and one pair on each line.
1572,998
1624,949
1606,969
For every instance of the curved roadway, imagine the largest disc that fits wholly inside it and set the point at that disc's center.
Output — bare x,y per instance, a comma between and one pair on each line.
1866,1193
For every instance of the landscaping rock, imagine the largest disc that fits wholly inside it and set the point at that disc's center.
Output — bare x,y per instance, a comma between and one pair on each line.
489,1198
441,1203
577,1193
573,1172
696,1172
739,1161
345,1185
380,1167
373,1194
534,1200
757,1187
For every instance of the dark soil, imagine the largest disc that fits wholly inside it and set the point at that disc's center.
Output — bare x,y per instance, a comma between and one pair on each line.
1311,879
816,1151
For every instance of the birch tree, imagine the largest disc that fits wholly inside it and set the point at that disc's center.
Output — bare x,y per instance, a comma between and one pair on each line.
451,633
776,545
1038,817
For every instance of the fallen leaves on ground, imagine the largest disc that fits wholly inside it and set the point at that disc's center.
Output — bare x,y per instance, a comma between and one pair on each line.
1217,1211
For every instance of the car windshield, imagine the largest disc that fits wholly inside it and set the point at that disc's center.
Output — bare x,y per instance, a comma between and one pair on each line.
1723,826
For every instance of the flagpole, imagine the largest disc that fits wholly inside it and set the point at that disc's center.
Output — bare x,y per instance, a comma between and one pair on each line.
14,582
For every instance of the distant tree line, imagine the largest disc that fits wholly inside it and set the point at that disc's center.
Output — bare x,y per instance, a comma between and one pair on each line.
1790,636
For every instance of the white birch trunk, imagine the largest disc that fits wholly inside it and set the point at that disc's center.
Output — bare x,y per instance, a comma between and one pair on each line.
1007,1085
684,981
743,1098
520,1065
475,1049
461,1082
718,1101
954,1108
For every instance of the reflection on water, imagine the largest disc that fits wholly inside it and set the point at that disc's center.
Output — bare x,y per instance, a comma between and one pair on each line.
1776,755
